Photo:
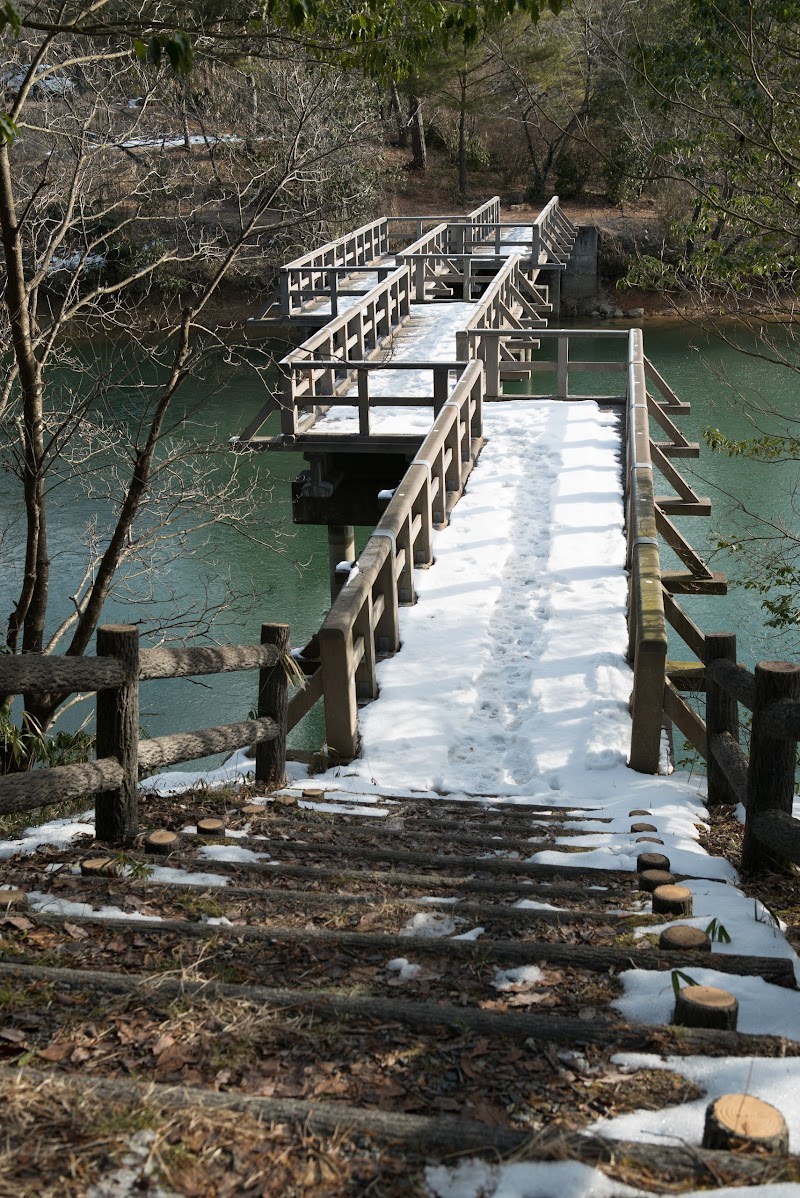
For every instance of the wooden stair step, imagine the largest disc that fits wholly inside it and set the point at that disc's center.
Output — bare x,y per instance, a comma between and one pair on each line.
442,1135
441,862
779,970
616,1034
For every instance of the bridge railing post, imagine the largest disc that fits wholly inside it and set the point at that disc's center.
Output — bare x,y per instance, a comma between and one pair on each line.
441,387
341,706
562,368
363,401
422,508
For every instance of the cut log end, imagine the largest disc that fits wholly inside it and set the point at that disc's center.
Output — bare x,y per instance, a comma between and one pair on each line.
643,828
681,938
650,879
742,1122
672,900
706,1006
651,861
161,841
253,810
12,898
211,827
92,866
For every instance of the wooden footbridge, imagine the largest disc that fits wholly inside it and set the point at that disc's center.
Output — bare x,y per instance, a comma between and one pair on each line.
507,278
313,990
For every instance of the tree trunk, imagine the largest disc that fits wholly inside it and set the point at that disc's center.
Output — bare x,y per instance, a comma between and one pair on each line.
462,137
29,613
397,110
419,151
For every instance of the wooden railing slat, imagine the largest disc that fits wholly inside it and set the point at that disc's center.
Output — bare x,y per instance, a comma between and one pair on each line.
58,784
162,751
205,659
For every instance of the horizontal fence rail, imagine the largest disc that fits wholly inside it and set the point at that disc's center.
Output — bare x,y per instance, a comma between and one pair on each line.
115,674
363,621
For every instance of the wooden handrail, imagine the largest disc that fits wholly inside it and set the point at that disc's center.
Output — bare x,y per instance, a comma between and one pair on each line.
647,622
363,621
115,674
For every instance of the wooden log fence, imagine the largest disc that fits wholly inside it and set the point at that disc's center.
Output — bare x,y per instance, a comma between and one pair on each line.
115,674
362,624
763,781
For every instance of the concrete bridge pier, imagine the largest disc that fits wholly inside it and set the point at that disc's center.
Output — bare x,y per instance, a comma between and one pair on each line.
580,276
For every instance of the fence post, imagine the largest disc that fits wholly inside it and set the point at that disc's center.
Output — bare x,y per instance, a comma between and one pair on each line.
273,700
117,811
722,715
770,779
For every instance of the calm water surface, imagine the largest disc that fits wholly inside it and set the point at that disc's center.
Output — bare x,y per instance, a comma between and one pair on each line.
291,585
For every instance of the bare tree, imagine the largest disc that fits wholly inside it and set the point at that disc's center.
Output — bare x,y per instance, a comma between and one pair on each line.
115,248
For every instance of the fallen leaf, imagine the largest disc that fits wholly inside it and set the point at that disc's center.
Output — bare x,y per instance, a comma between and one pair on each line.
18,921
529,998
55,1052
75,931
13,1035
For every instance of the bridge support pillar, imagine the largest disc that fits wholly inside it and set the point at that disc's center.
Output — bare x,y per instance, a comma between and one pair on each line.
341,548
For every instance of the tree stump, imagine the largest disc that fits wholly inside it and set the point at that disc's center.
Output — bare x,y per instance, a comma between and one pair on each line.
251,809
161,841
672,900
211,827
12,898
649,879
742,1122
706,1006
649,840
639,811
643,828
651,861
93,866
681,938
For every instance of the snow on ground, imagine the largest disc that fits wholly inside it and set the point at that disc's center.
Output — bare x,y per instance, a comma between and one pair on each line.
773,1080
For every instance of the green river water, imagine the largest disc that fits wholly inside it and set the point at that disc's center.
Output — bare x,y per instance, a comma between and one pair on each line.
292,585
